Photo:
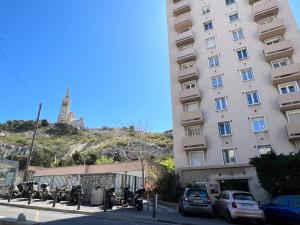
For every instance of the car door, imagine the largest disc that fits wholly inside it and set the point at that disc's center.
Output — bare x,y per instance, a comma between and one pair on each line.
275,211
292,212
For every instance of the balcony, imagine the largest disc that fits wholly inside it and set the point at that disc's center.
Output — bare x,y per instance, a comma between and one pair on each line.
286,74
272,29
176,1
181,7
194,143
186,55
184,38
191,118
189,95
187,74
289,101
270,8
183,21
250,1
279,50
293,130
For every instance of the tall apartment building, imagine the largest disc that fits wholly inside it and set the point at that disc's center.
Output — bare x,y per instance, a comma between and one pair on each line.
235,76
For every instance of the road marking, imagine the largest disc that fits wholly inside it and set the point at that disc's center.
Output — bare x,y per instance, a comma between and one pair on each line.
37,216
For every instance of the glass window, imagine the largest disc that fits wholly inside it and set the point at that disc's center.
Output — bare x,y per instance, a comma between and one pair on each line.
273,40
224,128
280,63
243,196
247,74
220,104
208,25
280,201
210,42
196,159
259,124
267,20
264,149
233,17
238,34
253,98
189,85
229,2
193,131
217,81
191,106
205,10
293,116
229,156
214,61
288,88
242,53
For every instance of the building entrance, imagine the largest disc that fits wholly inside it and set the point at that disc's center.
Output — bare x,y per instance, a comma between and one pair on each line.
238,185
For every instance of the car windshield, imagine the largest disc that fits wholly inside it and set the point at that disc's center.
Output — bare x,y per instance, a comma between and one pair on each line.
196,193
243,196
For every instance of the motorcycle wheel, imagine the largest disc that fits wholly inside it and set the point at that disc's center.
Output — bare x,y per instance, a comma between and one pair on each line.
124,203
139,207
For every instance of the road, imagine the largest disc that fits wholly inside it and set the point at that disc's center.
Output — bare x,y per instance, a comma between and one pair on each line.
57,218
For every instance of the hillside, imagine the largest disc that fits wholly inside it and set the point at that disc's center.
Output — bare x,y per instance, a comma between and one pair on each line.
63,145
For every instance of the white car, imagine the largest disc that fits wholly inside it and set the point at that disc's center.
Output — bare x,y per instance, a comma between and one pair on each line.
238,204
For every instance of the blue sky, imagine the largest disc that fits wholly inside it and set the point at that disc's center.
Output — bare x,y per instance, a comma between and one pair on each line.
115,62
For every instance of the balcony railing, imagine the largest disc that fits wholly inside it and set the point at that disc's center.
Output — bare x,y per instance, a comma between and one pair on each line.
191,118
272,29
289,101
186,55
185,38
183,21
187,74
194,143
279,50
189,95
293,130
269,8
181,7
286,73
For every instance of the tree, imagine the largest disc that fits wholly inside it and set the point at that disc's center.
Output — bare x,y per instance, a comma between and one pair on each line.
44,123
77,157
91,159
104,160
278,174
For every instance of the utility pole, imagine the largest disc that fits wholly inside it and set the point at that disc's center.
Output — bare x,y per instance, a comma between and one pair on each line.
32,143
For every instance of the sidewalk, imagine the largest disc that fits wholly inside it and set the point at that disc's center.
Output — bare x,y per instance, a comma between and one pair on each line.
165,214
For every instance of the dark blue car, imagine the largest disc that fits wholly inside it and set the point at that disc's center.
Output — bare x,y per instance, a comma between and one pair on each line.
283,209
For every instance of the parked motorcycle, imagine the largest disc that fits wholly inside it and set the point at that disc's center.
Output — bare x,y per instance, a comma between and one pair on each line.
75,193
133,199
45,193
14,191
61,194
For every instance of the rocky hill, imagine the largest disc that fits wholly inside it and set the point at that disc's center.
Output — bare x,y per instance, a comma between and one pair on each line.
63,145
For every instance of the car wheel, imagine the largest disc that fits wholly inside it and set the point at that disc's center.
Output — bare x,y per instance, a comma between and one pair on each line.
183,213
228,217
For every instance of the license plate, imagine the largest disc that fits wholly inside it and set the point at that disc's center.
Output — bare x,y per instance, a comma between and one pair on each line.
198,201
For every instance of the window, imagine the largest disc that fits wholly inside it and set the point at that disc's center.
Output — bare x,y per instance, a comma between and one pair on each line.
205,10
280,201
242,53
214,61
187,65
272,41
193,131
264,149
189,85
210,42
233,17
267,20
238,34
185,47
208,25
224,128
280,63
252,98
247,74
229,156
229,2
191,106
196,159
217,81
288,88
259,124
220,104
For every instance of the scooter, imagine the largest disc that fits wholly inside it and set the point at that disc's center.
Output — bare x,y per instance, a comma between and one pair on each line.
75,193
45,193
14,191
133,199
